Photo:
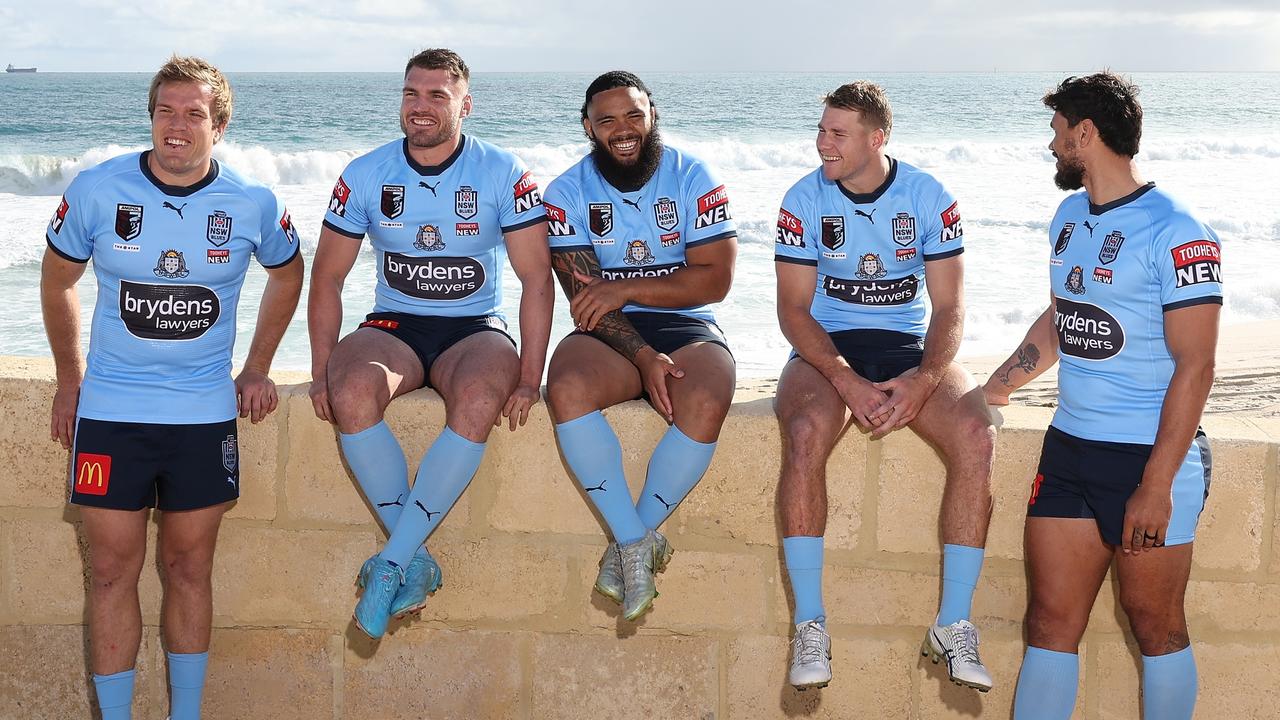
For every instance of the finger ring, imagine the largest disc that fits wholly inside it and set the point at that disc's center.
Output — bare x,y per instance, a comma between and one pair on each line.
1145,536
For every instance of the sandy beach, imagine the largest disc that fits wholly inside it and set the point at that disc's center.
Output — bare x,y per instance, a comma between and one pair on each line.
1247,382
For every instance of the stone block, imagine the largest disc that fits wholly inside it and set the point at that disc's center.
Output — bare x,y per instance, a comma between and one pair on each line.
437,674
640,677
287,577
318,486
1017,454
259,456
1232,607
758,686
479,576
1230,533
868,596
25,444
911,482
269,673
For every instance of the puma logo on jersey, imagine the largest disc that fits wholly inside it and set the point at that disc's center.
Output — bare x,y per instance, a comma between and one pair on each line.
1089,227
432,188
870,219
635,204
176,209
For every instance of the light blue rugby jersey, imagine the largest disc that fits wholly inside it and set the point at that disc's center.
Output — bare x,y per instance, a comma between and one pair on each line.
1116,269
437,230
642,233
170,262
869,248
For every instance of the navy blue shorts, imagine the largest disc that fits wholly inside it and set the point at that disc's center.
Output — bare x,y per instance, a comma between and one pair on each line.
1080,478
130,466
668,332
877,355
429,336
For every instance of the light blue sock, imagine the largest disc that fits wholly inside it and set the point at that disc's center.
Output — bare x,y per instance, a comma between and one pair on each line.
186,684
803,554
1047,685
1169,684
591,448
380,468
961,566
115,695
677,464
445,472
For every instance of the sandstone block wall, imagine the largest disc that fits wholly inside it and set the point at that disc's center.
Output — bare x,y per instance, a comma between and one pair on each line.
516,631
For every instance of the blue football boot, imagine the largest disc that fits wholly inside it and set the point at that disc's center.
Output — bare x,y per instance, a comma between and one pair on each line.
423,576
381,580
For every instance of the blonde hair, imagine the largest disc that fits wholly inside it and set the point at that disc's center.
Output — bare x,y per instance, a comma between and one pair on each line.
193,69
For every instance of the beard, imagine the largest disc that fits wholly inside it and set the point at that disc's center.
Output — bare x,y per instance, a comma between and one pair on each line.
1069,175
633,176
430,137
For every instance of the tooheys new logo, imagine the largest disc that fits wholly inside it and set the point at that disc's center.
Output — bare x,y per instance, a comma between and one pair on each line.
526,193
433,278
167,312
1087,331
636,272
712,208
872,292
557,221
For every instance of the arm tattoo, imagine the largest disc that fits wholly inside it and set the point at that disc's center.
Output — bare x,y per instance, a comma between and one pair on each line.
1028,358
614,328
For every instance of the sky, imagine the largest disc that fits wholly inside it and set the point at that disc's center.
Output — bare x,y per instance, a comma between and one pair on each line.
666,35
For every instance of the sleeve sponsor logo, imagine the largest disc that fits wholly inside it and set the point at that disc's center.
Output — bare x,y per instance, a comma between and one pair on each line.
951,228
872,292
790,229
286,224
341,195
167,312
392,201
640,272
93,473
526,193
713,208
59,216
1086,331
128,221
1198,261
557,221
433,278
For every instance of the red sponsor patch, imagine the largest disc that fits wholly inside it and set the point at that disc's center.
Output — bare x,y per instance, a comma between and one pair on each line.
1194,252
951,215
466,229
525,184
60,216
669,239
341,192
790,222
382,323
1035,488
715,198
905,254
93,473
218,257
554,213
286,224
1102,275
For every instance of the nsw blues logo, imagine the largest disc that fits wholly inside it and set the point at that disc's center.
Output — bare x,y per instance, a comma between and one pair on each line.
218,229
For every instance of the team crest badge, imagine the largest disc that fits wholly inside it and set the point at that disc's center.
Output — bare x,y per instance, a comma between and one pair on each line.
219,228
870,267
666,214
600,218
1064,237
392,201
466,202
429,239
230,457
171,265
833,231
1075,281
638,253
128,221
1110,247
904,229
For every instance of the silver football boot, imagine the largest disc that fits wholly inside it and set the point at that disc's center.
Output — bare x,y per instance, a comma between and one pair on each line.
639,561
609,579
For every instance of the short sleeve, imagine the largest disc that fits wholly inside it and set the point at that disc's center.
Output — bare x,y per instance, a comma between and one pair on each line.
68,233
277,238
346,214
519,202
795,218
565,227
1188,265
707,196
943,232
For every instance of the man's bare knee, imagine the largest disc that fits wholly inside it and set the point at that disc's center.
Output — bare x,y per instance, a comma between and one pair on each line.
116,570
1055,627
569,393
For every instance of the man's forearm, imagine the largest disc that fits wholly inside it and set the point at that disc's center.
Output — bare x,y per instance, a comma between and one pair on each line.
536,301
279,301
60,307
688,286
324,321
1037,352
813,344
942,341
613,329
1179,417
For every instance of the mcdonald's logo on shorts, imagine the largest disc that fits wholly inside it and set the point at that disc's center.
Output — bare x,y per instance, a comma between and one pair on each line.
93,474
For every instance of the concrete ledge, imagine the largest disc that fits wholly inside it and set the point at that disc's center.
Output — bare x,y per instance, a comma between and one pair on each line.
516,631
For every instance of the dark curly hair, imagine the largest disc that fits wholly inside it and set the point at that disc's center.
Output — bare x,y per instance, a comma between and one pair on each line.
1107,99
614,79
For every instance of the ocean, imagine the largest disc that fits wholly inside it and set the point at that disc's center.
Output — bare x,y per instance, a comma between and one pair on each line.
1213,139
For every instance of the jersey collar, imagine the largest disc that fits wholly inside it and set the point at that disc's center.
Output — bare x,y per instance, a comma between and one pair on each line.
431,170
177,190
1099,209
874,195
